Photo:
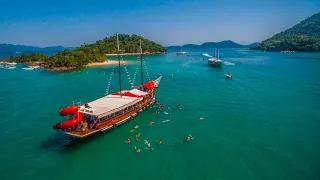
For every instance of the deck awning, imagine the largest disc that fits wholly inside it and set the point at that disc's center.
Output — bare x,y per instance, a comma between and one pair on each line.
109,104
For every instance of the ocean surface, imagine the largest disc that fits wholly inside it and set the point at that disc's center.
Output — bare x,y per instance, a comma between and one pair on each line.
264,124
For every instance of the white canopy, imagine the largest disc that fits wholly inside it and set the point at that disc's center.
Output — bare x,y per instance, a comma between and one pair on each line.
108,104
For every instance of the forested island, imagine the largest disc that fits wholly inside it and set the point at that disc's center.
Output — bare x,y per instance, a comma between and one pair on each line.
90,53
303,37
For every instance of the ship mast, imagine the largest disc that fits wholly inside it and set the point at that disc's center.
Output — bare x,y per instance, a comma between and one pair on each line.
141,63
119,65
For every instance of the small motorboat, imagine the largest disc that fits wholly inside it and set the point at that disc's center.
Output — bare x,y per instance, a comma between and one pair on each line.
181,53
11,63
10,67
29,68
35,67
228,75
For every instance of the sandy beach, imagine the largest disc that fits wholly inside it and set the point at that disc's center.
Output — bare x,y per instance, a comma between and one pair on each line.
107,63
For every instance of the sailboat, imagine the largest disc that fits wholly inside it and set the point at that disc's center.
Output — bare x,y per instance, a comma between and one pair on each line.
181,52
216,62
109,111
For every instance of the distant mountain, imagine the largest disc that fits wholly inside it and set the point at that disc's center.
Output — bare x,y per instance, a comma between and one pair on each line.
303,37
222,44
21,48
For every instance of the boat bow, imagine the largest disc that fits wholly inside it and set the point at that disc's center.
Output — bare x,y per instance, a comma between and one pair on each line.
157,82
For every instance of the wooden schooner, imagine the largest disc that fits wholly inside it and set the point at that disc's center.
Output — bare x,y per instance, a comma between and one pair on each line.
109,111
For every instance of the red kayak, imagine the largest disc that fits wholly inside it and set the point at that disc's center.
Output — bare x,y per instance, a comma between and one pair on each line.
70,123
69,110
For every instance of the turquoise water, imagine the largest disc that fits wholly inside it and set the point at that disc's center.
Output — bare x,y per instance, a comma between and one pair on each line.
264,124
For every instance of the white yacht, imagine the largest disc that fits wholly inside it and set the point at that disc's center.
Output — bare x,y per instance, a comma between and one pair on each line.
181,52
11,63
216,62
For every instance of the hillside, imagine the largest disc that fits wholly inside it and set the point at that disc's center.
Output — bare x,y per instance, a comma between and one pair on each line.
89,53
222,44
303,37
22,48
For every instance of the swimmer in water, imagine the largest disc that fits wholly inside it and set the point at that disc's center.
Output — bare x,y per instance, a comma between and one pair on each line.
191,137
135,127
168,108
201,118
137,149
151,123
149,145
187,140
159,141
138,136
128,141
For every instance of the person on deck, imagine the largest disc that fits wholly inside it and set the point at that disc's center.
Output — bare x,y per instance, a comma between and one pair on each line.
85,126
79,127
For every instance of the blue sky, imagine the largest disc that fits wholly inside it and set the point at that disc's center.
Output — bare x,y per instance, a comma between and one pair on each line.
72,23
